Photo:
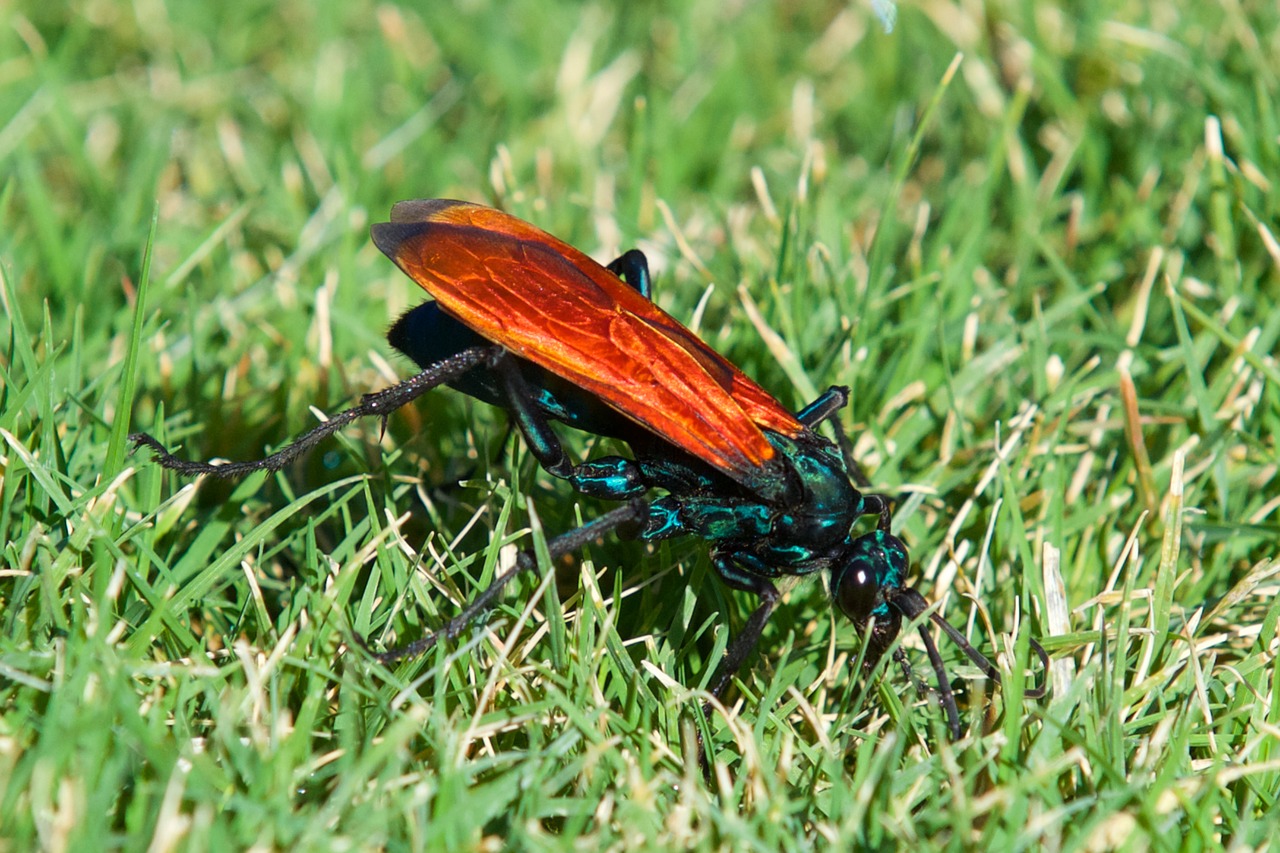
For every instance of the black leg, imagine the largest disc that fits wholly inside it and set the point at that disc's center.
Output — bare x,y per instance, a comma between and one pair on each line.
859,477
380,404
747,573
611,478
823,410
633,268
741,646
633,513
825,407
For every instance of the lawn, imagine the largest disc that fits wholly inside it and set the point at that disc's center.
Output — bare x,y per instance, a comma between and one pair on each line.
1039,242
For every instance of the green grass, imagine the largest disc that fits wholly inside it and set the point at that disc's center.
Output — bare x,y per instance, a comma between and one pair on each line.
1050,278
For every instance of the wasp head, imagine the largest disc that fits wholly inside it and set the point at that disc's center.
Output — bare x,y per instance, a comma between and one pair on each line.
865,585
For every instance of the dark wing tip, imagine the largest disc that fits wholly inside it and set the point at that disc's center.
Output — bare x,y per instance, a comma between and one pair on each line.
408,220
422,209
390,236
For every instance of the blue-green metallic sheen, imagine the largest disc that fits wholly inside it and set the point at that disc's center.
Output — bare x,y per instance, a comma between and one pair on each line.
798,518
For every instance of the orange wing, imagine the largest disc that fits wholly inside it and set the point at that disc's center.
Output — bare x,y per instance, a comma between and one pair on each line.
547,302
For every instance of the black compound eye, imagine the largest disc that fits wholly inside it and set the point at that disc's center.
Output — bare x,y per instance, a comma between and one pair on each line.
856,591
873,564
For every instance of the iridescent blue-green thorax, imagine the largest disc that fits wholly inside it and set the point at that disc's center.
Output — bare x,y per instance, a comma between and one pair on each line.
753,537
798,534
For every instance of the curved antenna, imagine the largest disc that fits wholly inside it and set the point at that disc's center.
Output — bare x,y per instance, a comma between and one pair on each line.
987,667
913,605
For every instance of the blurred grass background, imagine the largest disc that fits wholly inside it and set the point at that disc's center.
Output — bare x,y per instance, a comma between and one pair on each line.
1037,240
